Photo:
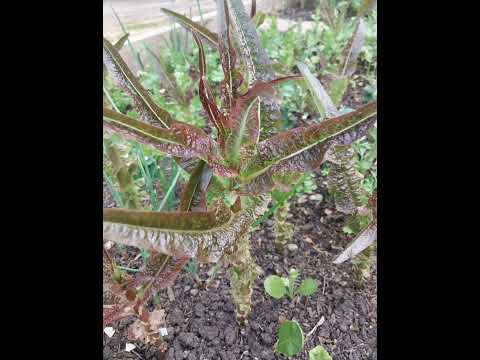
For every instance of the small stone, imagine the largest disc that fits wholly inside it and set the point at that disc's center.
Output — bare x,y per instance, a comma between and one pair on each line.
328,212
209,332
187,288
188,339
194,292
306,227
292,247
230,336
175,317
316,197
267,339
302,199
199,310
129,347
109,331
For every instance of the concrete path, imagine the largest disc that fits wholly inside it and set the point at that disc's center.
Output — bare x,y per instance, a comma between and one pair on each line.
146,23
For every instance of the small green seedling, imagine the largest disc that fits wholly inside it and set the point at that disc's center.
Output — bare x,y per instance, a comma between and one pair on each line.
277,287
319,353
290,338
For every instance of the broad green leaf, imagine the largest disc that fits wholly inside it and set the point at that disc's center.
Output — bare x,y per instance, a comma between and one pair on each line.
319,353
275,287
290,338
205,235
363,240
124,78
293,275
287,144
308,287
259,66
337,89
321,99
193,26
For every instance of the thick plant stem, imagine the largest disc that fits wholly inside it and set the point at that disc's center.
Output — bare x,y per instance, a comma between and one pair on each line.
282,228
124,177
344,181
243,273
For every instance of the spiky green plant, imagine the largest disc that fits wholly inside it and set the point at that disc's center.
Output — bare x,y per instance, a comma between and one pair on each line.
234,165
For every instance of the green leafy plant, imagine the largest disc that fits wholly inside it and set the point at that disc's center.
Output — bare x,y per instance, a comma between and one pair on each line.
319,353
232,167
290,338
277,287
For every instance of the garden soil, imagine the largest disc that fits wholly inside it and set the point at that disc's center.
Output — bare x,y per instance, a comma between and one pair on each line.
201,322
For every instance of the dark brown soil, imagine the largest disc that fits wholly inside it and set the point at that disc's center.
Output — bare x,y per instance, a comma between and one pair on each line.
201,323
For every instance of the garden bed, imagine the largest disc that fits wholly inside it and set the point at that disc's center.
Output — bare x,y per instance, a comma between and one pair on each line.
201,323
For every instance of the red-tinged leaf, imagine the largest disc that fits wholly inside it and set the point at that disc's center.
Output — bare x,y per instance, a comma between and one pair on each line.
119,44
194,194
237,205
116,313
260,185
167,277
221,170
308,160
227,54
236,141
339,130
259,66
189,234
193,26
242,102
124,78
215,116
178,220
180,140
